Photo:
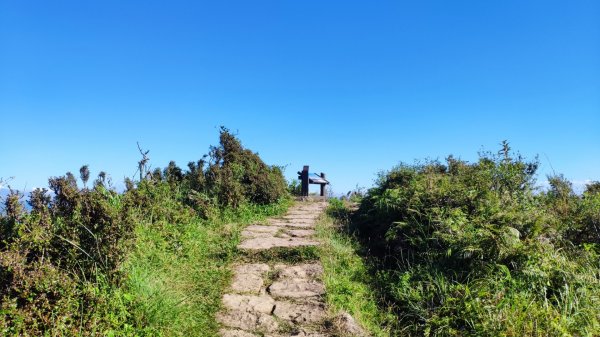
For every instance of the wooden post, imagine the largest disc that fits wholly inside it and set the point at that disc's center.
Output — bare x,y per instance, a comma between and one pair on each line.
323,185
304,177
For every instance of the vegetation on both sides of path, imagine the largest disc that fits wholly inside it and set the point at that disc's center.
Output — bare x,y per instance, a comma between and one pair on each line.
435,249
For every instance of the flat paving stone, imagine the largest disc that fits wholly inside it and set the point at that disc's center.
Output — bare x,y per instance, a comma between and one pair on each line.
261,229
305,270
296,288
248,278
250,303
300,313
254,235
249,321
275,242
247,283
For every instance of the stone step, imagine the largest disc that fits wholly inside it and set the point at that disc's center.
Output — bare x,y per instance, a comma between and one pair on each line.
277,300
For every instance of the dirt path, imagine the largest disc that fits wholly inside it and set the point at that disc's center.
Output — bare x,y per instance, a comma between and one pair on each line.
276,299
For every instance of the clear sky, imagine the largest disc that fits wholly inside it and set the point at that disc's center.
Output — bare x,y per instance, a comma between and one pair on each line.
349,87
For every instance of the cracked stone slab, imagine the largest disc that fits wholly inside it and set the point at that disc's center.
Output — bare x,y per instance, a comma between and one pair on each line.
248,278
259,231
247,283
305,270
300,313
274,242
250,303
249,321
296,288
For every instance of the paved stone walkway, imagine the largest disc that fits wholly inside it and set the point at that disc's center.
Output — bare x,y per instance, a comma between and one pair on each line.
275,299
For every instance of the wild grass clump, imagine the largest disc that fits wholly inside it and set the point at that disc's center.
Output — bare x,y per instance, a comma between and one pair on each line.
472,249
149,261
178,271
347,276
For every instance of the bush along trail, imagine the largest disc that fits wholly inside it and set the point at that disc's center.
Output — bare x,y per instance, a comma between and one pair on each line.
277,288
153,260
475,249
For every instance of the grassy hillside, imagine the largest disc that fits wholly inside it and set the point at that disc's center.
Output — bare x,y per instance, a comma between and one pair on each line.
152,260
473,249
436,249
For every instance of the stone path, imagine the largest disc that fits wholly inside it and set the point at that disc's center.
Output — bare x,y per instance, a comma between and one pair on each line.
276,299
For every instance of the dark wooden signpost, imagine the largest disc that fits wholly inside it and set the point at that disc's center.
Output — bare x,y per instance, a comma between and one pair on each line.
311,178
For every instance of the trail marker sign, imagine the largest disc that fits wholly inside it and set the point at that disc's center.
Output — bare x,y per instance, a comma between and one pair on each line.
311,178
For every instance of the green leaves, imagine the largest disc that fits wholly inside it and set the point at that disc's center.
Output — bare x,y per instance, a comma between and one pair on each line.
237,175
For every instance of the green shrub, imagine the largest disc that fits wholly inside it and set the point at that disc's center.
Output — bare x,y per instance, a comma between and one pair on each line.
579,216
237,175
294,187
473,249
54,259
66,266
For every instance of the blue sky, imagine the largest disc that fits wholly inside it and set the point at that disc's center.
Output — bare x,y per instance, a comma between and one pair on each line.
349,87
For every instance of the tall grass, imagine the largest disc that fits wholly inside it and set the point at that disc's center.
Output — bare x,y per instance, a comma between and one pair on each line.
346,275
178,272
